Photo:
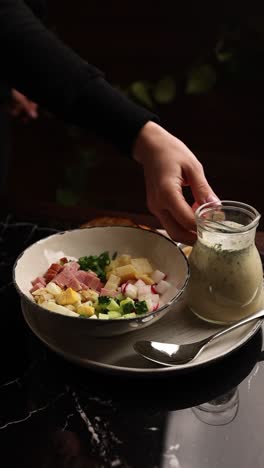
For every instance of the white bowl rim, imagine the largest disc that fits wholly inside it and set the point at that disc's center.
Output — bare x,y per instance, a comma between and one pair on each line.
135,319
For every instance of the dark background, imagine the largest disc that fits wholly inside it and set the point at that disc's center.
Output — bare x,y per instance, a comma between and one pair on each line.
53,166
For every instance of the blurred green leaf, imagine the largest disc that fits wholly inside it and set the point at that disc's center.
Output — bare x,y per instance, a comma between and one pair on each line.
201,80
165,90
140,90
66,197
224,56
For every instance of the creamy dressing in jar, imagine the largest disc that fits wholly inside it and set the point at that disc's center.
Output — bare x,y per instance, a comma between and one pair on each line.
226,277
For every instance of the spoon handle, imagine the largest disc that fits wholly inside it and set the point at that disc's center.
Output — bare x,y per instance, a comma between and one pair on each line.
257,315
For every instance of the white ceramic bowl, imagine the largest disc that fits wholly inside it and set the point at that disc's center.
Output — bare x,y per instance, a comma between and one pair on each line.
62,329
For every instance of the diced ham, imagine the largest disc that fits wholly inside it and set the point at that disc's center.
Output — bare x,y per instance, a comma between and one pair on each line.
55,267
63,278
95,284
92,272
36,286
39,279
52,271
71,277
74,284
82,276
108,292
49,276
71,266
90,279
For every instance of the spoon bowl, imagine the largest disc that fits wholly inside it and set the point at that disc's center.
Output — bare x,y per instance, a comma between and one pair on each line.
172,354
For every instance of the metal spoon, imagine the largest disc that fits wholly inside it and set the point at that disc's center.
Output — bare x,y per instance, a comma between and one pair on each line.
171,354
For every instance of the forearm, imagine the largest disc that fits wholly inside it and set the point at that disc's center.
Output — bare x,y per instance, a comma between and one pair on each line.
36,63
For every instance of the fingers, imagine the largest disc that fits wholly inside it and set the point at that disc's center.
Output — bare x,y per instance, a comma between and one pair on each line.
29,108
32,110
22,106
201,190
175,231
177,206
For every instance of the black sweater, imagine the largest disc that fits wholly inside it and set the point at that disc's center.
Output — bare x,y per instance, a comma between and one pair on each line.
39,65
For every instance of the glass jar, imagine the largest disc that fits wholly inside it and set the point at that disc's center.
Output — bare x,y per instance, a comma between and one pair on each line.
226,276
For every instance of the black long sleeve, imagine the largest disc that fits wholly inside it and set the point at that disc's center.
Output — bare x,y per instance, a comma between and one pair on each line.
35,62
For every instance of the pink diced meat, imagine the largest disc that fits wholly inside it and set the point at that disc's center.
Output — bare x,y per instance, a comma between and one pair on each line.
39,279
63,278
74,284
108,292
36,286
90,279
71,266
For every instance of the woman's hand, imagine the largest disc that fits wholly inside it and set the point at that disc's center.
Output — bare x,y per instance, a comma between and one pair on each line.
168,166
21,107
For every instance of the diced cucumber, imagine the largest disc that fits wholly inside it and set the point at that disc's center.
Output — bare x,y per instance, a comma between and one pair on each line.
103,316
119,297
129,316
127,306
112,314
113,306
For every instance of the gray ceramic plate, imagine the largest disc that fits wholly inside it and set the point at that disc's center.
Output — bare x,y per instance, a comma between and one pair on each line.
115,355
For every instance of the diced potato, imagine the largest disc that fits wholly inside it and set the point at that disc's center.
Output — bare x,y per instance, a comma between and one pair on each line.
112,265
146,279
71,307
88,303
119,261
53,307
45,297
85,309
89,295
124,260
68,297
40,300
53,289
142,265
126,272
39,292
113,282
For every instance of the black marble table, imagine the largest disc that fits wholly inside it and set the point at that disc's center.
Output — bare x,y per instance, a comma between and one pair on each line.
54,414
